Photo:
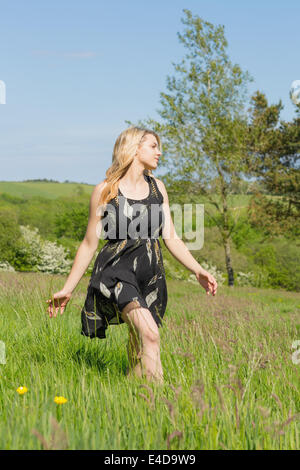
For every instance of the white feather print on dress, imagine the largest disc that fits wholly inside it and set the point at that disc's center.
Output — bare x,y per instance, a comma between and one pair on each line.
118,288
98,269
156,248
115,262
135,263
143,210
153,280
150,298
120,246
128,210
92,315
149,251
104,290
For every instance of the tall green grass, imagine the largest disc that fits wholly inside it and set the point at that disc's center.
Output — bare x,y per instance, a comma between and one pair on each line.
230,382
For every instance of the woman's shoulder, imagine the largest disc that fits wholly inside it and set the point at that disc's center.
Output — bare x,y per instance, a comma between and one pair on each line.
159,183
100,186
97,190
161,187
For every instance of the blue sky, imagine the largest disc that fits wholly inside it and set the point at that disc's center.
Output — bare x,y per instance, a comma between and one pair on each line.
76,70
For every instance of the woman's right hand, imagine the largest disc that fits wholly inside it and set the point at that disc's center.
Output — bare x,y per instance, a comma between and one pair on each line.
60,299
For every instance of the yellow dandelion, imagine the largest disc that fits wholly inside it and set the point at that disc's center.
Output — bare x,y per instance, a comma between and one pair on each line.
22,390
60,400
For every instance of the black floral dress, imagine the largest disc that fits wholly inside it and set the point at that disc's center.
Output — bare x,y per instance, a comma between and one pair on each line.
128,272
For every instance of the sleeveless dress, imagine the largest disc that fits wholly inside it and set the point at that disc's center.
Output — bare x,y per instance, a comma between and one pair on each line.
128,271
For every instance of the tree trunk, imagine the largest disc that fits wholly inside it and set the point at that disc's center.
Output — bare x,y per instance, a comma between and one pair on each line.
226,232
228,262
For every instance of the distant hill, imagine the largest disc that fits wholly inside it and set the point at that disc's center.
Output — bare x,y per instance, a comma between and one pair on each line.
49,189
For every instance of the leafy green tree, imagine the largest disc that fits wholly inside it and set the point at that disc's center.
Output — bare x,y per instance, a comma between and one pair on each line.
10,235
204,125
73,222
278,263
274,153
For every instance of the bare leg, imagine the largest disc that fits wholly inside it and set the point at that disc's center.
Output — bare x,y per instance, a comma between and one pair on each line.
134,353
147,343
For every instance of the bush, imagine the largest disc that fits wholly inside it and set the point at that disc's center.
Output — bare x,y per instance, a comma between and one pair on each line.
5,266
43,256
10,235
244,279
175,271
278,265
72,223
244,233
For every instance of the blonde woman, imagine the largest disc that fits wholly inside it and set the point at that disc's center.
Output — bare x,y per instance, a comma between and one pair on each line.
128,283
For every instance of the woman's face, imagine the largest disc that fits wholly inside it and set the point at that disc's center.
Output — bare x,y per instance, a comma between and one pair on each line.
149,153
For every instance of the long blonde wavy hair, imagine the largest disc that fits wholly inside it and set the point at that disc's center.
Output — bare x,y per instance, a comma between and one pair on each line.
124,152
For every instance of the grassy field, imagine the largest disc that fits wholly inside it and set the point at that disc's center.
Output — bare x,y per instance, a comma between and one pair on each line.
230,381
47,190
50,190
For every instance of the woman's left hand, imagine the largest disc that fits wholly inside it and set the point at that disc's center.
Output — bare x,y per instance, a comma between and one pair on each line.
207,281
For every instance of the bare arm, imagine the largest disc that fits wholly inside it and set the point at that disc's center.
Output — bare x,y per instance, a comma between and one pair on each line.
179,250
174,244
88,245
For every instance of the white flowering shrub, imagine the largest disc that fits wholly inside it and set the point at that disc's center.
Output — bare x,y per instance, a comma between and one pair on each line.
173,272
240,278
44,256
245,279
181,274
5,266
192,278
32,246
218,275
53,259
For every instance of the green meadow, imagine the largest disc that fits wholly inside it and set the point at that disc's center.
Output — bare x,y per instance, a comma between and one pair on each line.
27,190
231,375
60,213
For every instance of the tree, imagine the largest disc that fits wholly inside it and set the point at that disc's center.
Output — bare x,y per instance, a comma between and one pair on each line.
204,124
274,149
72,222
10,235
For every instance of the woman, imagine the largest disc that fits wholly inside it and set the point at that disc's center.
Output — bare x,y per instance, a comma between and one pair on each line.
128,281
